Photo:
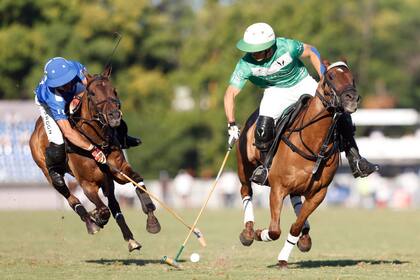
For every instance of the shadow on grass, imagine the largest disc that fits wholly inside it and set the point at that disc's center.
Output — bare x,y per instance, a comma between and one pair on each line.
138,262
338,263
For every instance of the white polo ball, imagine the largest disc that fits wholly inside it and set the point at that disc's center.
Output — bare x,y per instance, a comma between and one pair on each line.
194,257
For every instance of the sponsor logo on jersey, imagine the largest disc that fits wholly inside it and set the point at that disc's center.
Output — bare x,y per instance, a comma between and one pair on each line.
275,67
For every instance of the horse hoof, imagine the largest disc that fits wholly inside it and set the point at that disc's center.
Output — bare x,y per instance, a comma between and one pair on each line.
133,245
304,243
100,217
153,225
282,264
246,237
91,227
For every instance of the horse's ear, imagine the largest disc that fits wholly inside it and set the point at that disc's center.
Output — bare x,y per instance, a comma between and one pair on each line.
88,76
326,63
107,71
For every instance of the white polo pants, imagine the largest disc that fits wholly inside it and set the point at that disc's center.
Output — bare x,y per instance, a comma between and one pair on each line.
276,100
52,129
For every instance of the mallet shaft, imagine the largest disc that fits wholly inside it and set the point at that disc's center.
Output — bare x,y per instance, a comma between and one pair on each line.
196,231
205,203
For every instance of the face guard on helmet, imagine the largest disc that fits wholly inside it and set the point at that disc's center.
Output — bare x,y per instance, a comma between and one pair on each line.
257,37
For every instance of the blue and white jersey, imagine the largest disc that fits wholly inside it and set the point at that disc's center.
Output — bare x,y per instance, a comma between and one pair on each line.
58,102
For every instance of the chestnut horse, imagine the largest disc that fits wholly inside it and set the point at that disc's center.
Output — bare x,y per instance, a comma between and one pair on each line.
96,120
305,162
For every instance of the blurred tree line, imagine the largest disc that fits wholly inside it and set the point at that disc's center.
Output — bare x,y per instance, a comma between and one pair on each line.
188,47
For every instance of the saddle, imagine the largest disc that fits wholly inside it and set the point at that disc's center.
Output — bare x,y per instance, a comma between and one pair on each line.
287,118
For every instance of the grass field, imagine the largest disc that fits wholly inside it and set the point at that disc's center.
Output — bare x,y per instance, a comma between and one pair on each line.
347,244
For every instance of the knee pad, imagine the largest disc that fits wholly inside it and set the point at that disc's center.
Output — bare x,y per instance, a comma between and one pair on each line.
55,158
264,133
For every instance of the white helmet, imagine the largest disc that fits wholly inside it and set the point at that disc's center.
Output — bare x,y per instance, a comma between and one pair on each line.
257,37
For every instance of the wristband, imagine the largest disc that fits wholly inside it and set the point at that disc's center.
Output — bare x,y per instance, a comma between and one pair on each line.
90,148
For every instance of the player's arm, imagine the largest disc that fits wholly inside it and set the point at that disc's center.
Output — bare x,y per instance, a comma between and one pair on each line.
229,100
312,53
72,135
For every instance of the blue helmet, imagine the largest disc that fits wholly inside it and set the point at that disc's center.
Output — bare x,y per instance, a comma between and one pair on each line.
59,72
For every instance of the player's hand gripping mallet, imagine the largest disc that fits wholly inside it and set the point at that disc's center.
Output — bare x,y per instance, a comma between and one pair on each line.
174,262
196,231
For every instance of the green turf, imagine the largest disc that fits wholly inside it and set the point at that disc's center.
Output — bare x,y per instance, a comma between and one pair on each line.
347,244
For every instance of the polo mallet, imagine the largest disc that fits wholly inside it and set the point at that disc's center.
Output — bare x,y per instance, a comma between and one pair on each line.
196,231
119,37
174,262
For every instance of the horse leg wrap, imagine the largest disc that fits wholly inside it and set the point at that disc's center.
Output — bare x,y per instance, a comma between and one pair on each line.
297,206
81,211
265,236
146,203
248,209
127,234
287,248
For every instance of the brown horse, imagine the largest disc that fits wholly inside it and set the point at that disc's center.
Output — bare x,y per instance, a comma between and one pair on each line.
305,162
96,120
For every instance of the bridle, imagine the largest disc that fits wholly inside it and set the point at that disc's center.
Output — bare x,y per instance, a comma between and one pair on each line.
333,103
104,131
334,110
98,115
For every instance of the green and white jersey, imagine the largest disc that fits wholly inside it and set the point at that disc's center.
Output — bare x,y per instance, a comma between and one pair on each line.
284,69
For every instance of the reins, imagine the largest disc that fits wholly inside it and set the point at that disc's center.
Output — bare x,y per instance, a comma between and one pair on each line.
332,107
97,122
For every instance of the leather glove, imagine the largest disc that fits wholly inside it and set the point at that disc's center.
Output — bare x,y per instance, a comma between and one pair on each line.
97,154
234,132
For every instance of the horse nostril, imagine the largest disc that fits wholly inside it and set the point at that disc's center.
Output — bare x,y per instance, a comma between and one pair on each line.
115,114
349,96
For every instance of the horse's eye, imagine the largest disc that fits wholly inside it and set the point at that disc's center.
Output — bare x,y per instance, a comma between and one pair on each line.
331,76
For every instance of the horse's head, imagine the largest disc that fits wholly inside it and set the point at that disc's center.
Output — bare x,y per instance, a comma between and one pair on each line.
103,99
339,87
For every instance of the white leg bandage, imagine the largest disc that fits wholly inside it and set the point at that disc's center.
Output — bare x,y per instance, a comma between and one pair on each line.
297,206
248,209
264,236
287,248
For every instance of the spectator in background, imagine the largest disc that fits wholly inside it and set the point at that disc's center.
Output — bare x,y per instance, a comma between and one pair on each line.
164,182
183,183
229,186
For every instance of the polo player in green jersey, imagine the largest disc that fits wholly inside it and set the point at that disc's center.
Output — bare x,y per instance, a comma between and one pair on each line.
274,64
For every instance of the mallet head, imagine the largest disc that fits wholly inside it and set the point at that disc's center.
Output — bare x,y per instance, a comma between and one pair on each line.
171,262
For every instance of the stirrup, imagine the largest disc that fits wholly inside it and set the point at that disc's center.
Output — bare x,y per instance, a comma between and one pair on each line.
260,175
